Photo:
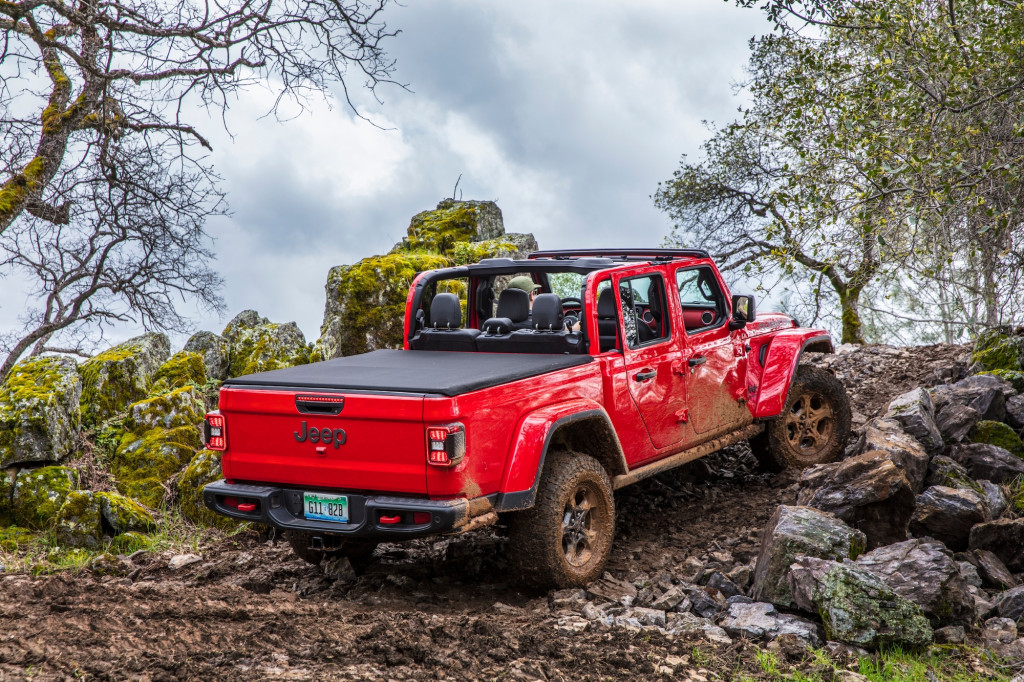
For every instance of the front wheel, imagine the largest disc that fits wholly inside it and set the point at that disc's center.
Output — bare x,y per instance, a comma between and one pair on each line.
813,427
564,540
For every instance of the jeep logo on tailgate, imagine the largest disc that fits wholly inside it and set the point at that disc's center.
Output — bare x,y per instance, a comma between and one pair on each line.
324,435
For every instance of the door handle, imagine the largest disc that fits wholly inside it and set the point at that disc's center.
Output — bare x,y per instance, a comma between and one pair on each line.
645,375
699,360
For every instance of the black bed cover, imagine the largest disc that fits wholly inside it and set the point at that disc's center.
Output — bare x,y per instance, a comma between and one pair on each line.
412,371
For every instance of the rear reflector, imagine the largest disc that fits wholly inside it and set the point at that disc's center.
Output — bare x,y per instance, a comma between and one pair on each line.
446,445
214,432
419,518
390,520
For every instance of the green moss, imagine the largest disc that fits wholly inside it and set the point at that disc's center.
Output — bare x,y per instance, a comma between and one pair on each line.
438,231
368,312
180,407
203,469
39,413
39,494
997,349
120,376
79,523
998,434
123,515
144,463
258,345
13,538
1011,376
127,543
183,369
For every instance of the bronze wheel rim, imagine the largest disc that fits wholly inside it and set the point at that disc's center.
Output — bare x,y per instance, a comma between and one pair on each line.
579,525
810,425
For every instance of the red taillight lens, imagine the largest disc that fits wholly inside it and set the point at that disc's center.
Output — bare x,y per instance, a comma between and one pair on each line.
214,433
231,502
419,518
446,445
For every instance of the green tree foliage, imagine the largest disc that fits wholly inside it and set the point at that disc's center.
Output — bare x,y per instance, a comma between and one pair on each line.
882,152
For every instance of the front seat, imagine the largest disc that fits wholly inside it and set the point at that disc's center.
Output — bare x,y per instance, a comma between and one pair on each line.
513,313
445,329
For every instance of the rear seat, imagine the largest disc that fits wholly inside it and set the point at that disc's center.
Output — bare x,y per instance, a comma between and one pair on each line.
546,336
445,332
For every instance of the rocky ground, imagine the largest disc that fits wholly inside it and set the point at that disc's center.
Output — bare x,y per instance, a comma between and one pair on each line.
242,606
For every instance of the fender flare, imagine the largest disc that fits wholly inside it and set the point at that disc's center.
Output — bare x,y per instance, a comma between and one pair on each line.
529,449
784,351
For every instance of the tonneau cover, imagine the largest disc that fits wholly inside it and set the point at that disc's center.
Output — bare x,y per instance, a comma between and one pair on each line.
413,371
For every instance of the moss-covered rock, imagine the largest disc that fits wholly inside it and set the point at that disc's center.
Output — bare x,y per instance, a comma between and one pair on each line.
6,493
143,463
39,413
259,345
79,522
366,303
998,434
204,468
13,538
214,349
1000,348
129,542
439,230
179,407
1011,376
120,376
87,518
38,494
182,370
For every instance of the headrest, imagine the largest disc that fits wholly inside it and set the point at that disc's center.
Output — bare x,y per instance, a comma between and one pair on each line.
654,299
445,312
547,312
497,325
606,304
513,304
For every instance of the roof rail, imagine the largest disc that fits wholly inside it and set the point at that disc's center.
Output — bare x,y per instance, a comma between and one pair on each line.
622,254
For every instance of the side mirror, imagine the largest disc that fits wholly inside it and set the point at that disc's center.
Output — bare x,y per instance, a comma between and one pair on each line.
744,309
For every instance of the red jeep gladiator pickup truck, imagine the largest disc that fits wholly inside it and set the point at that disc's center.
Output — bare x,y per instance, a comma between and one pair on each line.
622,364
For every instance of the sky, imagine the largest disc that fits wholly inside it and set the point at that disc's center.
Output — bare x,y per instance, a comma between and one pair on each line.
567,114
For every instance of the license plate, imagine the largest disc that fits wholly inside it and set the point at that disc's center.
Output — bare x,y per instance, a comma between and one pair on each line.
326,507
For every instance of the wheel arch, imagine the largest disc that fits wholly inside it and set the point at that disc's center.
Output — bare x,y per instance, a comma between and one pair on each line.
581,426
780,363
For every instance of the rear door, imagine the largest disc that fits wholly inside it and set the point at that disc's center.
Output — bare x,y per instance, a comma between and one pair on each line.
318,439
653,362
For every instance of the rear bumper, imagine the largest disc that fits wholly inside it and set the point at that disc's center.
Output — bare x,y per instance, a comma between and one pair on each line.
282,508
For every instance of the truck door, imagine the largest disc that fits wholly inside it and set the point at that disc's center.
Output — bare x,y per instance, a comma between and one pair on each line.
716,361
653,361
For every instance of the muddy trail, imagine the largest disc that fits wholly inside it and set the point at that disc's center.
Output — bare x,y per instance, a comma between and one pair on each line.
247,608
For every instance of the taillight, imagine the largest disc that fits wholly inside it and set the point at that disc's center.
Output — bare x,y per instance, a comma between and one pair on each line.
214,433
446,445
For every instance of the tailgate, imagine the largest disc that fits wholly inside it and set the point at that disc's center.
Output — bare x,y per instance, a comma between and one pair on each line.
287,437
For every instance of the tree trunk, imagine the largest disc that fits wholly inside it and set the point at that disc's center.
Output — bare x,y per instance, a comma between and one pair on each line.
849,304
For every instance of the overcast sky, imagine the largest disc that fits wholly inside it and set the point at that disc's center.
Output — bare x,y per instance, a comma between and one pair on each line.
566,113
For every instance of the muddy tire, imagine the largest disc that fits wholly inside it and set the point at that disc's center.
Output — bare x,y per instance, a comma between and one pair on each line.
813,427
359,552
564,540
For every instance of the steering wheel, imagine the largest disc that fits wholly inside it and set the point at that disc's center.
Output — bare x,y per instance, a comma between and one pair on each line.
571,312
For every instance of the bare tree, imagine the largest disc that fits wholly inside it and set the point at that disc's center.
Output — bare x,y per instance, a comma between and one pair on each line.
105,186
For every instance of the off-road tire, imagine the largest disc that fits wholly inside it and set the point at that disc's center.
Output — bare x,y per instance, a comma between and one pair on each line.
359,552
564,540
813,427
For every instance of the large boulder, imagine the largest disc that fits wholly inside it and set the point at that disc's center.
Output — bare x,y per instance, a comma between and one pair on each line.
887,435
948,514
1000,352
997,434
988,462
916,413
986,395
120,376
868,491
215,351
183,369
39,411
925,573
799,531
203,469
259,345
180,407
856,606
955,421
760,621
38,494
1002,537
144,463
441,229
86,518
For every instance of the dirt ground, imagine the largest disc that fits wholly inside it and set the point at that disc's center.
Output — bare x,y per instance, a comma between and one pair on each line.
431,609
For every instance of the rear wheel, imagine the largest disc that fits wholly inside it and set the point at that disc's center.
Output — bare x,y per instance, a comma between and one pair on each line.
564,540
813,427
359,552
